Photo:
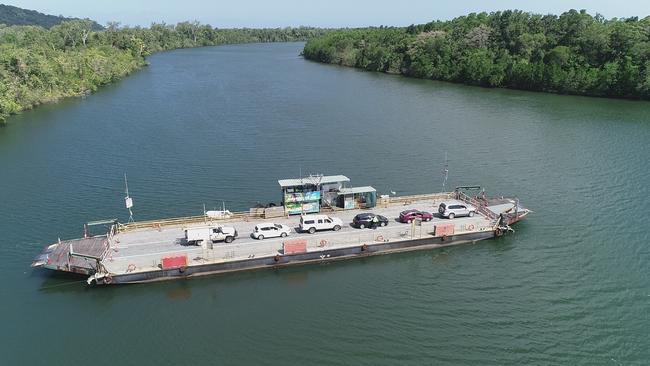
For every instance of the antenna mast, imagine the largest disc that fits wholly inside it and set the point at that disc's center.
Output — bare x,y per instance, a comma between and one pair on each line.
445,173
128,200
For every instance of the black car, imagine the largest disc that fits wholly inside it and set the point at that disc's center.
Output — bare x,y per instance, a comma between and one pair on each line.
364,220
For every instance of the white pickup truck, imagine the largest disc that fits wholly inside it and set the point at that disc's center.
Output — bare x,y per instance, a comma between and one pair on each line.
197,235
311,223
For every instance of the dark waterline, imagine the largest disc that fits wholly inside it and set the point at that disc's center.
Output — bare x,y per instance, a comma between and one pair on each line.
571,286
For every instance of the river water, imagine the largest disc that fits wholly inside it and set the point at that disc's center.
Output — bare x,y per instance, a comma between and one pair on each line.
202,126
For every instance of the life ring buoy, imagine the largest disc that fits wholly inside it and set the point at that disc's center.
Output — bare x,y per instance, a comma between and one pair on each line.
443,238
276,258
108,279
323,243
364,247
379,238
470,227
182,269
131,268
156,225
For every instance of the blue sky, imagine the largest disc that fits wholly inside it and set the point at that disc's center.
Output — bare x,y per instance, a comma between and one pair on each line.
323,13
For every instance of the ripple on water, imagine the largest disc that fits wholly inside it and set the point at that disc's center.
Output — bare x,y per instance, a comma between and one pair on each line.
224,123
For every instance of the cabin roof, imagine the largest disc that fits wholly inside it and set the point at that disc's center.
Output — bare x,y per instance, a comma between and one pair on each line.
354,190
313,180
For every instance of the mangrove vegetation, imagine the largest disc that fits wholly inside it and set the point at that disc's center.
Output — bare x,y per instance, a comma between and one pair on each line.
574,53
40,65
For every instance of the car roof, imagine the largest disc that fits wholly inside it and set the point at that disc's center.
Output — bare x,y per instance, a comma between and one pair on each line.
409,211
366,214
453,202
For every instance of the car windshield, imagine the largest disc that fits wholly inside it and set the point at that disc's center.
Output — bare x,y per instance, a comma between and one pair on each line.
278,226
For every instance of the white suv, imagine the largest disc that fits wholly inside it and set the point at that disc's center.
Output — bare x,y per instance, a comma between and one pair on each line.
270,230
312,223
456,209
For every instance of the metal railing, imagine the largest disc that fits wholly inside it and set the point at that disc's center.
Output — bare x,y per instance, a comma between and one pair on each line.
178,221
175,221
480,205
421,197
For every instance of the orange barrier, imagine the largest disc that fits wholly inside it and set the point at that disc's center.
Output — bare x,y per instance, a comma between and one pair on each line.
444,229
174,262
295,246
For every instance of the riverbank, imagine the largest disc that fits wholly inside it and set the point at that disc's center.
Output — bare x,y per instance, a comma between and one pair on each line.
574,53
200,125
39,65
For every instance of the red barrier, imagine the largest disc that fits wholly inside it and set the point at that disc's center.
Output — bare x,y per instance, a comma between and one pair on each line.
174,262
294,246
444,229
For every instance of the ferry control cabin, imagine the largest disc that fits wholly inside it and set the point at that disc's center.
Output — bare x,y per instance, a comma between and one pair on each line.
357,197
310,194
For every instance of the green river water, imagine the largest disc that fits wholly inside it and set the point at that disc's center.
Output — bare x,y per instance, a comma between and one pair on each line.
570,287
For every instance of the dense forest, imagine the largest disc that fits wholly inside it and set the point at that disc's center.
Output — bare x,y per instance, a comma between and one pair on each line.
574,53
11,15
39,65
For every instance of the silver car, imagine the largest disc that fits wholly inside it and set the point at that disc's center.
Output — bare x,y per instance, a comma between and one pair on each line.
270,230
456,209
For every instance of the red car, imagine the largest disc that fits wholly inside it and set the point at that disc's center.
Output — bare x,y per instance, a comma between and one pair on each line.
410,215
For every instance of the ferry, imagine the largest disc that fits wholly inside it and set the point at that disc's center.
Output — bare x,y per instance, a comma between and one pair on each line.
275,236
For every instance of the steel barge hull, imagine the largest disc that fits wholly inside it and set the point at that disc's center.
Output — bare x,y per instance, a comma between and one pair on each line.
298,259
154,251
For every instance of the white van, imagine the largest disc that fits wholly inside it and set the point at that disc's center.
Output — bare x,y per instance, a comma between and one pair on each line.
311,223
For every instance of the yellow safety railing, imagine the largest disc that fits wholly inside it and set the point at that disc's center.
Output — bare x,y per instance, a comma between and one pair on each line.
421,197
179,221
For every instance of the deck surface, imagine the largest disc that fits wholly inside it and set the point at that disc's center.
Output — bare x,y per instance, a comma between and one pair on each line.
143,249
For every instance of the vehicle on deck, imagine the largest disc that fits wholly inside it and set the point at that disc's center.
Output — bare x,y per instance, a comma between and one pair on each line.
456,209
312,223
197,235
410,215
364,220
270,230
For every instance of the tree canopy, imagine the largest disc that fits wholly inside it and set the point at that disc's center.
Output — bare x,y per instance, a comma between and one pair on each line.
12,15
574,53
39,65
